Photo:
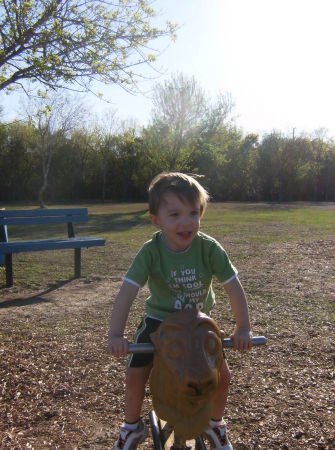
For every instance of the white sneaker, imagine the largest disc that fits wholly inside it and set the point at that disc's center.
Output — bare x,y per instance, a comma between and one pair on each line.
130,439
218,437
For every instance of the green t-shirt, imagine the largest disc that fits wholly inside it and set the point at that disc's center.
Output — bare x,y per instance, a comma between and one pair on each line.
180,280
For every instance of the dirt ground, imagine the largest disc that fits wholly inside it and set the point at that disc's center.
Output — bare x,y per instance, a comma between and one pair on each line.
60,390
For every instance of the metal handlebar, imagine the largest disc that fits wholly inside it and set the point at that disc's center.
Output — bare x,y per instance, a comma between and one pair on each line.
226,343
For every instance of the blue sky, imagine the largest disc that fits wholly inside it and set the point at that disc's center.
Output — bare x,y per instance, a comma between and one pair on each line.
275,58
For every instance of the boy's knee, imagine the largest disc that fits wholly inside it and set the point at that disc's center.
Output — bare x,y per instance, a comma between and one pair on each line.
137,377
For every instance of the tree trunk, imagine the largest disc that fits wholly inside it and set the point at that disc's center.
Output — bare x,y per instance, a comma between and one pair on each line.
45,173
104,183
41,193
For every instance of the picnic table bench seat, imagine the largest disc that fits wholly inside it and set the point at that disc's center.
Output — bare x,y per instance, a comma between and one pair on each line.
40,217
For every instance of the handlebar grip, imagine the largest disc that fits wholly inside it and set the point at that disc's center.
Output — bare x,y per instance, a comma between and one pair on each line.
256,341
226,343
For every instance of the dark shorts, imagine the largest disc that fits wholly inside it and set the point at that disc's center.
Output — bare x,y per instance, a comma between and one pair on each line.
146,327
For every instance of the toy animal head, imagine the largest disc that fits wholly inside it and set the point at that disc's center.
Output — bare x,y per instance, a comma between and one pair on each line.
185,375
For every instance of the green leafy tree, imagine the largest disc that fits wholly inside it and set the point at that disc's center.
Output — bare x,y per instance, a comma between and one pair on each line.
182,113
328,172
295,157
269,167
319,152
239,167
84,163
178,105
70,44
18,166
68,174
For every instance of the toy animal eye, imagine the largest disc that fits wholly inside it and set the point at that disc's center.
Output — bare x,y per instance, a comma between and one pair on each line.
175,350
211,345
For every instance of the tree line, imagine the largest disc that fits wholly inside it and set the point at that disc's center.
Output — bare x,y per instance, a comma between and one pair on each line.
54,153
52,156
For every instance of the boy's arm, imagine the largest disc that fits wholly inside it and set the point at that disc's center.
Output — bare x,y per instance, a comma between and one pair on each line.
242,335
117,344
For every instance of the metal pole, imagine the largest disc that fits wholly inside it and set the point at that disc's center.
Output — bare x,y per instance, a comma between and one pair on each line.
199,443
226,343
155,431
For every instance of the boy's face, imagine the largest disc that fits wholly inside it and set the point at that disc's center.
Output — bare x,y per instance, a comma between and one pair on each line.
178,220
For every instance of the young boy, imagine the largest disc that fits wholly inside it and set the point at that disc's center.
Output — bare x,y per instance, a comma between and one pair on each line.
178,263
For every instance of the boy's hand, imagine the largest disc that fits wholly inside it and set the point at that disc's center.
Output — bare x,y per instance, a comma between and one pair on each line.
242,339
117,346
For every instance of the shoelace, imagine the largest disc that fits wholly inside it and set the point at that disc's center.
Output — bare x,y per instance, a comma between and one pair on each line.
123,437
221,438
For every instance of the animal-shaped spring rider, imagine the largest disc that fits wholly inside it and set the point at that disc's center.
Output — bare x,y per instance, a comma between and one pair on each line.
188,357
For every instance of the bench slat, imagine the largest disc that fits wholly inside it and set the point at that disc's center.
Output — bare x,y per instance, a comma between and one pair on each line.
40,220
43,212
40,216
50,244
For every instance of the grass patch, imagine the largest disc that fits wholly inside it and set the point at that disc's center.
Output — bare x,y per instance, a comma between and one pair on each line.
126,226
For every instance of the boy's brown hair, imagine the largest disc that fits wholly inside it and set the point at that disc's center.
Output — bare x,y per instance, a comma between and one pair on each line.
186,187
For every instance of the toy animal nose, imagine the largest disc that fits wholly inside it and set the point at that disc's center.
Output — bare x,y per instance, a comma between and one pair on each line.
201,388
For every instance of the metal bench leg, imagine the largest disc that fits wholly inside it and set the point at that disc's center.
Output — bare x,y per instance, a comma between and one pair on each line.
77,262
9,270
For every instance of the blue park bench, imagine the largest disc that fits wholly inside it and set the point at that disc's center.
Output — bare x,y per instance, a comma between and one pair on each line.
44,216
